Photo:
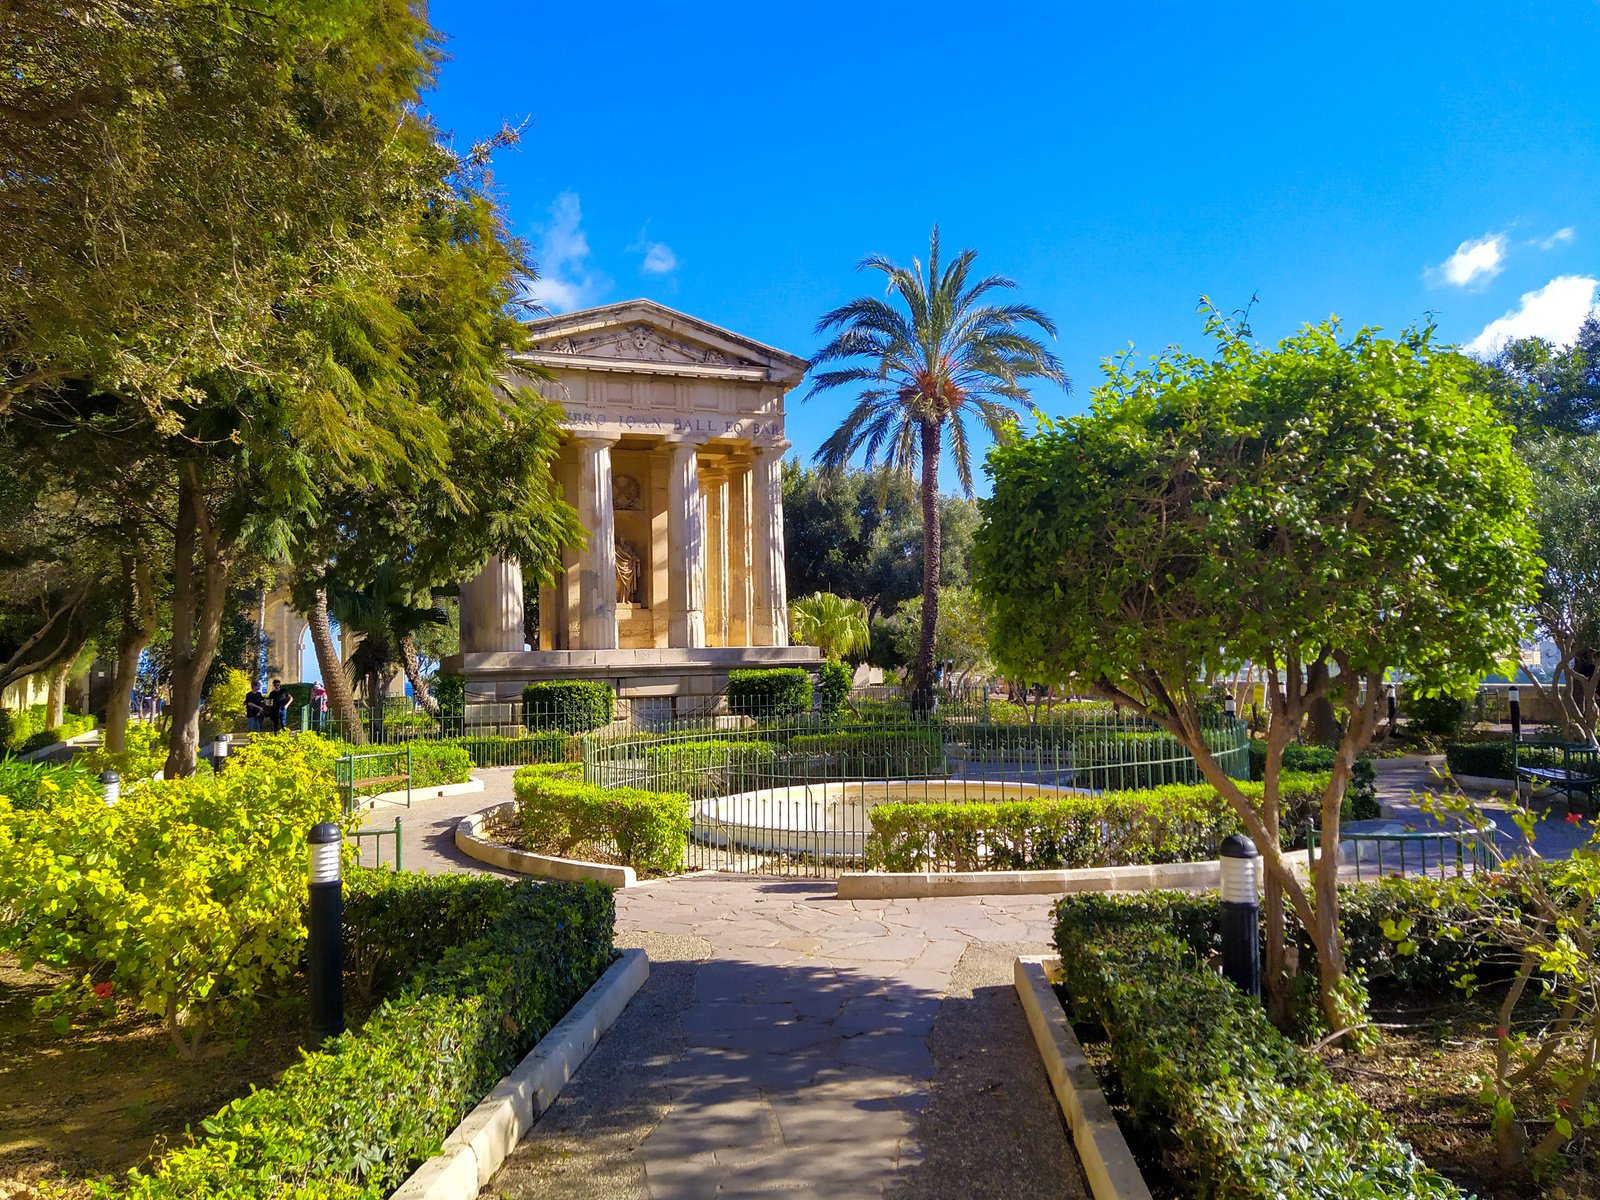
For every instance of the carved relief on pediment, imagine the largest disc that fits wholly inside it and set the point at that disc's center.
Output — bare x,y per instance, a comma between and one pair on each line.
642,343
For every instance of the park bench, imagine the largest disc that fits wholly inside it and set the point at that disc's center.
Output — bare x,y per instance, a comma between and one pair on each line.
373,770
1577,775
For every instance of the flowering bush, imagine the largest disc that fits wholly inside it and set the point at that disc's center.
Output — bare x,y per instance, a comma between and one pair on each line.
185,897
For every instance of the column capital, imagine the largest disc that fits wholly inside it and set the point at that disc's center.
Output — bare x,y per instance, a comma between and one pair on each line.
594,439
775,449
676,441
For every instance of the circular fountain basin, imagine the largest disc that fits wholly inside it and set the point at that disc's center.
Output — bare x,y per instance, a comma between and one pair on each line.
829,820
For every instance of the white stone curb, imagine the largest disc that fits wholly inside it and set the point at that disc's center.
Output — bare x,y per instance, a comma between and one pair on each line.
887,885
1107,1162
471,842
478,1146
76,740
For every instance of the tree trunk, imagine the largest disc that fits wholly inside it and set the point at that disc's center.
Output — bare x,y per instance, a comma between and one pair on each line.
412,662
201,565
341,700
55,703
138,623
377,694
922,674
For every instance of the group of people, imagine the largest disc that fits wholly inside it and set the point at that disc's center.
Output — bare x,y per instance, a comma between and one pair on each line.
269,713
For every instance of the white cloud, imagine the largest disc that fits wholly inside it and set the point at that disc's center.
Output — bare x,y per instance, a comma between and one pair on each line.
659,259
1553,312
566,280
1477,261
1558,238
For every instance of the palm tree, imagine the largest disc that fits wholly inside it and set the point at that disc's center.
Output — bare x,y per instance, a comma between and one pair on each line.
835,625
953,352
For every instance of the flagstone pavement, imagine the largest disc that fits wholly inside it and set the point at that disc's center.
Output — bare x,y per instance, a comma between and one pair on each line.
790,1043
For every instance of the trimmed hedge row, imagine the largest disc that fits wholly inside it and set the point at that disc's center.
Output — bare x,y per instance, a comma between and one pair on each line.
568,705
1177,823
23,730
899,754
559,811
833,687
769,693
1199,1063
398,922
352,1120
1497,760
1361,796
712,766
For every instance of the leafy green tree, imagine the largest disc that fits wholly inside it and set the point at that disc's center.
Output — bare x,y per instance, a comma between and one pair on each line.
1546,389
835,625
1332,508
918,375
1566,518
240,252
960,639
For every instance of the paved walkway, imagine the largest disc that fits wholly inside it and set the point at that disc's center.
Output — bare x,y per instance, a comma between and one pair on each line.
790,1043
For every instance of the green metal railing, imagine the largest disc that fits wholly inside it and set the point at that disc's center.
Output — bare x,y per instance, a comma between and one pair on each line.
374,837
351,777
1462,849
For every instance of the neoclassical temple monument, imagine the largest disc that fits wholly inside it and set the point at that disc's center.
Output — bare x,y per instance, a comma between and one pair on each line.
675,440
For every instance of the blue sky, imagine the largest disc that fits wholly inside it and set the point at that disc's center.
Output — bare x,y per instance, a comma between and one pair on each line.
1379,162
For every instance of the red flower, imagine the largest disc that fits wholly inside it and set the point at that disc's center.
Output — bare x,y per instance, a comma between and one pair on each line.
1501,1033
1573,819
1563,1104
103,991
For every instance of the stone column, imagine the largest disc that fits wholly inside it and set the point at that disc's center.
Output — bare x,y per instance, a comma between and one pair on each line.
740,557
686,549
771,581
597,567
491,609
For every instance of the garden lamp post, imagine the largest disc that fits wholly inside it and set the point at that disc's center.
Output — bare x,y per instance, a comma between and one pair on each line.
1230,706
1241,914
110,786
325,921
1516,713
219,752
1388,691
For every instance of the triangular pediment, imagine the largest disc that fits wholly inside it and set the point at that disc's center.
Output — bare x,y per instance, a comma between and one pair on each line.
644,335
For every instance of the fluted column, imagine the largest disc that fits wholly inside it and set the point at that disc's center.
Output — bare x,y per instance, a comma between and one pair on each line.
597,567
686,549
741,583
771,581
491,609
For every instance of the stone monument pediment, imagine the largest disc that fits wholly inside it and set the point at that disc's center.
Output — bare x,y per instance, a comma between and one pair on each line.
644,335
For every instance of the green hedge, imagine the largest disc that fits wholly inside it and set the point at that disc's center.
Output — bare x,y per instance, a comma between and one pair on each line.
396,923
24,730
769,693
647,830
1494,760
1251,1115
451,693
1177,823
712,766
833,687
1361,796
568,705
432,763
881,754
492,750
353,1119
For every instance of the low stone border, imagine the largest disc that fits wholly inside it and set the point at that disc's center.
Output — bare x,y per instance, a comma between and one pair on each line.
471,842
478,1146
75,740
888,885
1108,1164
1487,783
438,790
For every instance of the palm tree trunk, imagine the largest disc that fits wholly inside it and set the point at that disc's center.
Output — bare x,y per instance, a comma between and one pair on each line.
341,701
922,675
412,662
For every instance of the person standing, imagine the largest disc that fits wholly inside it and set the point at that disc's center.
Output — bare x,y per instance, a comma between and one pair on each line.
255,709
278,702
319,705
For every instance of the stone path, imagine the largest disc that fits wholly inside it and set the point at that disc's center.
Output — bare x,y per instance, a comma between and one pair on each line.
791,1043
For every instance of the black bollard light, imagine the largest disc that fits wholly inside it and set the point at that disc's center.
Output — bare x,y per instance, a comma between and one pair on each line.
1516,715
110,786
1230,706
219,752
1241,914
325,925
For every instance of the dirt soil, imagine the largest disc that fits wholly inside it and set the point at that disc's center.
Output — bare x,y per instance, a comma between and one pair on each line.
1421,1077
111,1092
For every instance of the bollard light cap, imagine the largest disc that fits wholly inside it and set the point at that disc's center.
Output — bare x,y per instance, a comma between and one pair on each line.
1236,845
325,831
110,776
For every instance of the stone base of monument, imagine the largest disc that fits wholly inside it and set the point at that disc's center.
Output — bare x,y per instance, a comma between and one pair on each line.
687,679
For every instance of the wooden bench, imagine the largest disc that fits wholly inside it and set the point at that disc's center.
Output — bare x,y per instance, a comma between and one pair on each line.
1578,774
